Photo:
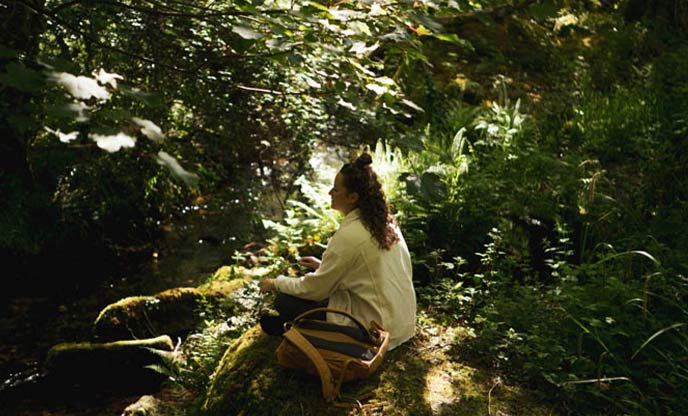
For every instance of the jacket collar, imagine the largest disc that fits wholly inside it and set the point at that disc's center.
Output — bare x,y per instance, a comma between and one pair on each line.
352,216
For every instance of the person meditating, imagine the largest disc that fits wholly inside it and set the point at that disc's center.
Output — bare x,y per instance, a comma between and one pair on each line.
365,269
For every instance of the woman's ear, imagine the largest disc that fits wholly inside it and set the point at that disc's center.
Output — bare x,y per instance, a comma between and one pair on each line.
353,198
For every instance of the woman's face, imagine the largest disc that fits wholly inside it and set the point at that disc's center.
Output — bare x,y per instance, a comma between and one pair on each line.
342,200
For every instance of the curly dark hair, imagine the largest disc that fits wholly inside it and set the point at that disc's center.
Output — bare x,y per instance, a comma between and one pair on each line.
360,177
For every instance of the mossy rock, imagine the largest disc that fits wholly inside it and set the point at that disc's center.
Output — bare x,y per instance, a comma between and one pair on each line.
173,312
144,406
248,381
417,378
113,364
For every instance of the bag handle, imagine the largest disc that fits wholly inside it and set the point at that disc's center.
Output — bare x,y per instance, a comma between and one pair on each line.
329,390
374,339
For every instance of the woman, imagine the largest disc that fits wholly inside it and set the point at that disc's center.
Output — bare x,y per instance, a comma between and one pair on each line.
365,270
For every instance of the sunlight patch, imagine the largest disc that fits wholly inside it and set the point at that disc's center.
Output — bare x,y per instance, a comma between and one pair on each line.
64,137
80,86
149,129
107,78
175,168
113,142
439,390
81,111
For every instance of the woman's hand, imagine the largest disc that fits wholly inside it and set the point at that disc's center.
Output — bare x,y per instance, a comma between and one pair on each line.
310,262
267,285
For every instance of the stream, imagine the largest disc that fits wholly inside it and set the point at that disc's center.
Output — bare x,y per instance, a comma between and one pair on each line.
192,248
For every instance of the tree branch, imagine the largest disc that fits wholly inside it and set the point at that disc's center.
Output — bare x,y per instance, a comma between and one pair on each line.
66,25
498,12
171,13
193,72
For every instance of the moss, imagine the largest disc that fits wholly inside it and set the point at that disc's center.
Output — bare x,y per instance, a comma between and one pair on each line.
120,363
162,342
229,273
248,381
173,312
418,378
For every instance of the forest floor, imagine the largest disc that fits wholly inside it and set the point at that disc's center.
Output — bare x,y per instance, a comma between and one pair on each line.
426,376
431,374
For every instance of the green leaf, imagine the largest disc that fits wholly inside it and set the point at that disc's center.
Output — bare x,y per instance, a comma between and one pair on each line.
246,33
411,104
655,335
377,88
148,98
319,7
637,252
22,78
454,39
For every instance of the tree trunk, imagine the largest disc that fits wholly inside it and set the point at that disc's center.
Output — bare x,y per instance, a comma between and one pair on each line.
21,29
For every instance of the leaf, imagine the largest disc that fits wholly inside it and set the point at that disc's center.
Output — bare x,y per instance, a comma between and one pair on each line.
655,335
77,111
319,7
458,143
80,87
149,129
454,38
346,104
113,142
22,78
359,48
411,104
64,137
377,89
148,98
246,33
305,207
638,252
107,78
165,159
422,31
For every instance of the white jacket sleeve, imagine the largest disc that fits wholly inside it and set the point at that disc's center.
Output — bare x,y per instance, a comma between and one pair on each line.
320,284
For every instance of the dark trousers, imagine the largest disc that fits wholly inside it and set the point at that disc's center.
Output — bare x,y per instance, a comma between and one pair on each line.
289,307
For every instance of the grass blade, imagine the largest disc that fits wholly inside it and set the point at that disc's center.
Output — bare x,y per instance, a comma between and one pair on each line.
655,335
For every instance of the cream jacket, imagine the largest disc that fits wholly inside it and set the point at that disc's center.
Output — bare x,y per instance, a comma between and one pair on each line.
358,277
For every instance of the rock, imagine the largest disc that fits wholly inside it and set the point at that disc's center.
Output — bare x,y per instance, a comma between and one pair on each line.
173,312
145,406
248,381
244,361
119,364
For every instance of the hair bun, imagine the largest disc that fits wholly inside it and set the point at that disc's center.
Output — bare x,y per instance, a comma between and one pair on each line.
363,160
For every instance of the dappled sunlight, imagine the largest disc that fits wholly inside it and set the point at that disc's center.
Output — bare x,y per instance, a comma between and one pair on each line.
439,389
81,87
107,78
64,137
165,159
149,129
81,110
113,142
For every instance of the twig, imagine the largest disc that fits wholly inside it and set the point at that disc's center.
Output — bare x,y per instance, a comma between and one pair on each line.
489,397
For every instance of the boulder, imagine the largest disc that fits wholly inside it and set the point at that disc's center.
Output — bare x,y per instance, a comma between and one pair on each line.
120,364
145,406
173,312
248,381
